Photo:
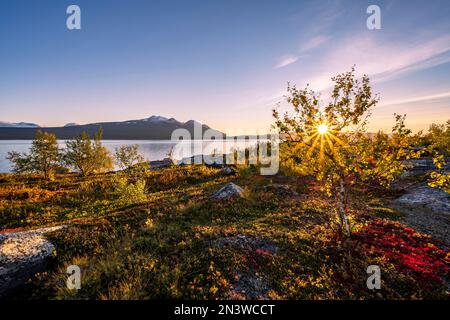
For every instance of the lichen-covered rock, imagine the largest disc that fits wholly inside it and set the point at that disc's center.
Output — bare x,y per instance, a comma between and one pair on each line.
22,254
229,191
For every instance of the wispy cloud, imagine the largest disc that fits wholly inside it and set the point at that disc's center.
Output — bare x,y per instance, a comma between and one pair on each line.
437,96
325,14
313,43
285,61
315,32
382,61
309,45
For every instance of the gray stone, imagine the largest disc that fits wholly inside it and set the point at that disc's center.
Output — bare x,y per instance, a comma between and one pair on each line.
22,254
251,286
418,167
161,164
227,171
229,191
217,161
431,198
426,210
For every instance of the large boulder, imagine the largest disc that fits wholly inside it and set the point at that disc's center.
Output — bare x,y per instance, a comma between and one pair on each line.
426,210
229,191
423,196
23,254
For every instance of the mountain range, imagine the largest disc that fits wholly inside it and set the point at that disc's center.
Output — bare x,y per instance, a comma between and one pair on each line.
17,125
152,128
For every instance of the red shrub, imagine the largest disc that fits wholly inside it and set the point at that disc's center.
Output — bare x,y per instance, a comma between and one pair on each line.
416,254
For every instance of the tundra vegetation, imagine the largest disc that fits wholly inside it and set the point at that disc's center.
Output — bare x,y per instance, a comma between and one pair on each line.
141,234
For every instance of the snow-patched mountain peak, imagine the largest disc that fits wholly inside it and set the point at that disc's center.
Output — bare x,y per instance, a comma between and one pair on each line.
160,119
157,119
71,124
18,125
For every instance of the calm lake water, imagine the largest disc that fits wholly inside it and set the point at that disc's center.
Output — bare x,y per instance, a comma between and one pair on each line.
151,149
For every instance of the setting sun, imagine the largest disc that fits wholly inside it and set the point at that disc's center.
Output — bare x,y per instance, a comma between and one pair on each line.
322,129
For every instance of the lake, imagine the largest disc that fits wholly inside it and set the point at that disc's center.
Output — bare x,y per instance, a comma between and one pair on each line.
150,149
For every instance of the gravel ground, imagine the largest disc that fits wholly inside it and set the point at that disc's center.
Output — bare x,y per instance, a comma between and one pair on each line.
22,254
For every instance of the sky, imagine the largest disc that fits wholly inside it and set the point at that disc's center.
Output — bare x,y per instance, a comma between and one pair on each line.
225,63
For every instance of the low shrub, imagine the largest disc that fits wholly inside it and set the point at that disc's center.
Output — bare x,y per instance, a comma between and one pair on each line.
128,192
415,253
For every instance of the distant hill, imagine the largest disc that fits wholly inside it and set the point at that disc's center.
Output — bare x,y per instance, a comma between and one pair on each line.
18,125
153,128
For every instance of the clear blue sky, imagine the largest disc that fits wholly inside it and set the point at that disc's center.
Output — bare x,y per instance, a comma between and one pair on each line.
222,62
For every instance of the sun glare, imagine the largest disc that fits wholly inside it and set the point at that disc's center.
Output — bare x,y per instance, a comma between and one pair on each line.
322,129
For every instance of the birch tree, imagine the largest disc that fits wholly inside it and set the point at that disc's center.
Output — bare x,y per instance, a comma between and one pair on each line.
88,156
44,157
330,140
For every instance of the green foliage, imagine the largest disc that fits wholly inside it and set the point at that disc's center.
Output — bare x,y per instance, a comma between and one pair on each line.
88,156
44,157
440,179
130,160
437,139
382,157
128,192
21,162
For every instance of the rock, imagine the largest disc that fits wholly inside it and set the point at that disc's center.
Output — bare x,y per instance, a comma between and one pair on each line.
22,254
197,159
250,287
417,167
431,198
229,191
282,190
161,164
426,210
250,283
227,171
217,161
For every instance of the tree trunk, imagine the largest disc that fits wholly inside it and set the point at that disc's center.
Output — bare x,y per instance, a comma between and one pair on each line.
342,209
